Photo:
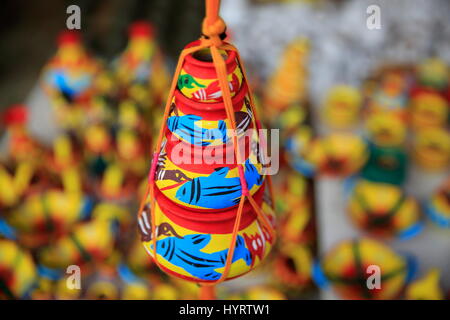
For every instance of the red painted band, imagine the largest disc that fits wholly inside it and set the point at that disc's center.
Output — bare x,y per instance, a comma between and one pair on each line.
204,69
209,110
213,221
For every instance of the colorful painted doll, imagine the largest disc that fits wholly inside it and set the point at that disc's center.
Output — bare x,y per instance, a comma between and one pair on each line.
288,84
20,145
71,72
293,266
338,154
18,180
134,288
87,242
428,108
137,259
342,106
426,288
384,210
296,206
387,161
140,70
17,271
262,292
363,269
433,73
44,216
431,149
391,96
437,207
116,185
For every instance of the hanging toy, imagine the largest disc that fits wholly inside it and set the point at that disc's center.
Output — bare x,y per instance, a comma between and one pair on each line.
384,210
70,73
17,271
204,205
348,266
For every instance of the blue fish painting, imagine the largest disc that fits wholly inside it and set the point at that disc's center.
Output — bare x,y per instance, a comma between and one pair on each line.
216,191
186,253
186,128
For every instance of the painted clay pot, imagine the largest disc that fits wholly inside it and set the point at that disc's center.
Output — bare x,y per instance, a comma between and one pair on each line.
433,73
17,271
206,124
431,149
297,146
293,265
388,161
391,96
426,287
437,208
428,109
384,210
342,106
70,73
346,270
44,216
134,65
338,154
191,177
194,246
198,78
91,241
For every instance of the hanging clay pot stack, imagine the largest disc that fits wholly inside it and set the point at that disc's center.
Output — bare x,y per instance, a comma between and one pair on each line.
205,216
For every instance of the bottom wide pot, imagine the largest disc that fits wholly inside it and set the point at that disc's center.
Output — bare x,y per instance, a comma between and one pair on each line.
194,245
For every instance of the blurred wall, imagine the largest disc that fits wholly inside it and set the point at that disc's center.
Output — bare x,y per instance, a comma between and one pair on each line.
28,30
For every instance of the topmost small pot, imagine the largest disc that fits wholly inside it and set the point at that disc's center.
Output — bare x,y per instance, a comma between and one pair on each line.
198,77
